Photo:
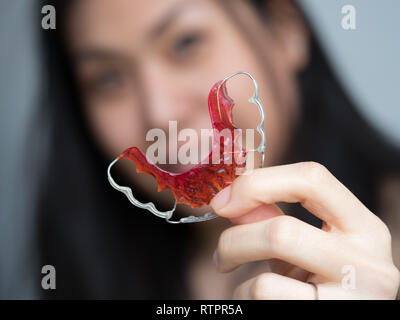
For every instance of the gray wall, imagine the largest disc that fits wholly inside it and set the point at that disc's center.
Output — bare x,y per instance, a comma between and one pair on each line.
366,59
18,75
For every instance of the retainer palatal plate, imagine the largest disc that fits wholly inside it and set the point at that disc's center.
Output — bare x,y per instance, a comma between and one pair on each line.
197,186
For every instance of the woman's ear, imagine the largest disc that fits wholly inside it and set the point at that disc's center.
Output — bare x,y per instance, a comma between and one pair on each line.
290,31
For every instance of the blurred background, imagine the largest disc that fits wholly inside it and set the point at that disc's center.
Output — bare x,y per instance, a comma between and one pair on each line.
365,59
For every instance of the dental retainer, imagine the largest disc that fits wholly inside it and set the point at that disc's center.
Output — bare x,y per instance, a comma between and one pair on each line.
213,177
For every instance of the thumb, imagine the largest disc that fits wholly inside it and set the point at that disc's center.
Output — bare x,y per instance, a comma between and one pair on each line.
263,212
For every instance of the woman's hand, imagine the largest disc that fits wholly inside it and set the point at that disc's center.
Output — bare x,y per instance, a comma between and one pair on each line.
349,258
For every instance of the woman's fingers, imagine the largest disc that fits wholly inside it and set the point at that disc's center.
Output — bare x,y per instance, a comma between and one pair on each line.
285,238
263,232
309,183
263,212
272,286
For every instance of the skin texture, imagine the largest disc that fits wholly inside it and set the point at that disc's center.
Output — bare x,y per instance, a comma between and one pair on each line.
309,254
142,63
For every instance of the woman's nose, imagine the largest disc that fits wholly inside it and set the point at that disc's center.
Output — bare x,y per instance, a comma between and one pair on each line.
165,101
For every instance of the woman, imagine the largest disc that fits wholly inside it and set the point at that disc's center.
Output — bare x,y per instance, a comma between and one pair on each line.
120,68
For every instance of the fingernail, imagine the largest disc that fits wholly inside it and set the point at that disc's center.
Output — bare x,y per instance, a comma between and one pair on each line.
221,199
215,258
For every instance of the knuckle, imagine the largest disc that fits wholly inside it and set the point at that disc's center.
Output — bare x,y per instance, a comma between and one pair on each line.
280,234
389,281
263,288
396,276
393,276
375,226
382,230
314,172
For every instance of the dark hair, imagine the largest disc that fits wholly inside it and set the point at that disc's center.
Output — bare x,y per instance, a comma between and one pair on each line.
103,247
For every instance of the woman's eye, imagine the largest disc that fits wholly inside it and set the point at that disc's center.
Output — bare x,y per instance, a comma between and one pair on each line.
108,79
186,43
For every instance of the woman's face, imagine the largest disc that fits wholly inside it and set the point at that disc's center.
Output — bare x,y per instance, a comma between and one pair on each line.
142,63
